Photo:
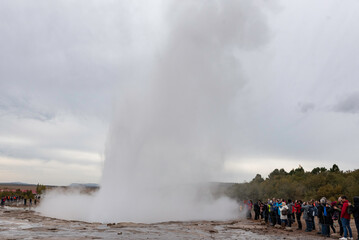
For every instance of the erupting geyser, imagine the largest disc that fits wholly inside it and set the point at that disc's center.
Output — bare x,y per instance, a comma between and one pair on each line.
169,134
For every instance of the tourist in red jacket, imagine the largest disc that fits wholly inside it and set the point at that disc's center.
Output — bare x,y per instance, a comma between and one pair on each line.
345,217
298,212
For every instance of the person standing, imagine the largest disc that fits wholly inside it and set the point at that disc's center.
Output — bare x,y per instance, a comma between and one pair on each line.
315,212
356,214
320,208
327,219
345,217
272,212
290,212
265,212
298,213
308,211
277,206
337,206
331,220
283,209
256,209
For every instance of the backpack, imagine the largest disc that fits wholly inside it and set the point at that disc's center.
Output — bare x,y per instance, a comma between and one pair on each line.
325,211
285,211
310,212
350,209
290,208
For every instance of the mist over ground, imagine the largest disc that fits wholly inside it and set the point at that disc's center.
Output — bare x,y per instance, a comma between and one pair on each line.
171,130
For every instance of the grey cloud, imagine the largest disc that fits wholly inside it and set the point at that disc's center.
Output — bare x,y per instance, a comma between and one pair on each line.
23,108
45,155
348,104
67,55
306,107
62,61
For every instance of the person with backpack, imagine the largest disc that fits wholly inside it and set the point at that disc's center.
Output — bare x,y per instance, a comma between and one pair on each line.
308,211
284,211
324,217
356,214
345,217
327,220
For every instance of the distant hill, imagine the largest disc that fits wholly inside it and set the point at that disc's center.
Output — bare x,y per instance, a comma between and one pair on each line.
88,185
17,184
14,184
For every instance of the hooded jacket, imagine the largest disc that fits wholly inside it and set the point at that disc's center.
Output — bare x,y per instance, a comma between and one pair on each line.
328,214
344,213
306,211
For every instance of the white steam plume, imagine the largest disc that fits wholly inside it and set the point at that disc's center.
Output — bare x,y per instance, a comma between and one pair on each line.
171,128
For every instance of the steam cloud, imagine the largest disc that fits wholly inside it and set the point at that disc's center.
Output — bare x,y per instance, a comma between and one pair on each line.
172,125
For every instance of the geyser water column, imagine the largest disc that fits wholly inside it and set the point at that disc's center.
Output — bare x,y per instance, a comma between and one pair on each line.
172,134
172,123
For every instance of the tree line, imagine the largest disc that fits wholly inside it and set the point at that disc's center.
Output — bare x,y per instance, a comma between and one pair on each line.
299,184
28,194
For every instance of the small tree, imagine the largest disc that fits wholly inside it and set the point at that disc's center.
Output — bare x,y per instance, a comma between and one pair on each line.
40,188
257,179
319,170
335,168
297,171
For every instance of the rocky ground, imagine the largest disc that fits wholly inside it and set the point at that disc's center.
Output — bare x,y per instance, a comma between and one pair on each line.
25,223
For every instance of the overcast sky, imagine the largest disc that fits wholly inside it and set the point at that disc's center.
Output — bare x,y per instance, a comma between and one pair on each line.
64,64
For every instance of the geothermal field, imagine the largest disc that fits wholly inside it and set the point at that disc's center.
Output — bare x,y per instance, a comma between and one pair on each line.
201,92
25,223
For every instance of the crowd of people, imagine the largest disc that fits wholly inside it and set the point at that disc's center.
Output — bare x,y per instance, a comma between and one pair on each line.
287,212
11,200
